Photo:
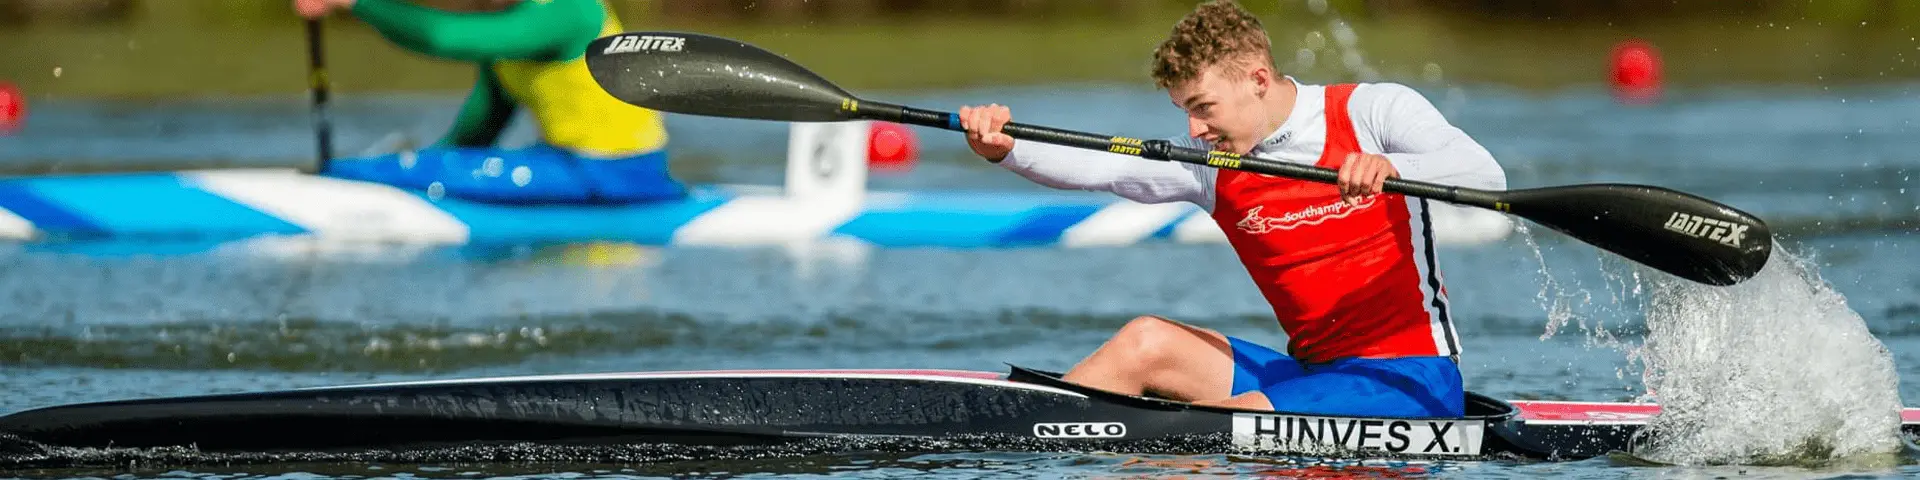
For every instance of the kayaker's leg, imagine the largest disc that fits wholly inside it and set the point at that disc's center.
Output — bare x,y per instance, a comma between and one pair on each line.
1253,400
1255,367
1161,356
1375,387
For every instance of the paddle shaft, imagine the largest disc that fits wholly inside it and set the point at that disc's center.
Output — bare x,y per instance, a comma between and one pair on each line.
695,74
317,83
1165,150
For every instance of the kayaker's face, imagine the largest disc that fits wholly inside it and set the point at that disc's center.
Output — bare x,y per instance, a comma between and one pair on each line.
1226,107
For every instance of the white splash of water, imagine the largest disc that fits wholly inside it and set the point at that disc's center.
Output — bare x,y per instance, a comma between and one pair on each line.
1564,303
1776,370
1552,296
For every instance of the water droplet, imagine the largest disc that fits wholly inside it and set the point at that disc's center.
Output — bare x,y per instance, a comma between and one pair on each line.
1353,61
1343,33
1432,72
522,176
1303,59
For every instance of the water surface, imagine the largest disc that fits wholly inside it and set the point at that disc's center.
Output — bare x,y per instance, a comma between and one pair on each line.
1830,168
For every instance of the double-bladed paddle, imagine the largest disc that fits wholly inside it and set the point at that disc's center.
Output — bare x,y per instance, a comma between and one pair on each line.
688,73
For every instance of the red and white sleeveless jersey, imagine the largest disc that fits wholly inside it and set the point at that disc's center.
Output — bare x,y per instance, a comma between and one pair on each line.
1343,280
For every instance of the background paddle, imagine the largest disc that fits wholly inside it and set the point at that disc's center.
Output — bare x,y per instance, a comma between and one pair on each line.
317,84
1675,232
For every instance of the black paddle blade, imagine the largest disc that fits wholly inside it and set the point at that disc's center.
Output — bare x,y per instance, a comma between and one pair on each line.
712,76
1674,232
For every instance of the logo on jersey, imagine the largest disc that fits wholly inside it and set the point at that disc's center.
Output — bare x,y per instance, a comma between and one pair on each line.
1256,224
1273,143
636,43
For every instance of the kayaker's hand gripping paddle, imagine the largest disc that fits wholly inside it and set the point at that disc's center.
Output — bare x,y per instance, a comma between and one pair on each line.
694,74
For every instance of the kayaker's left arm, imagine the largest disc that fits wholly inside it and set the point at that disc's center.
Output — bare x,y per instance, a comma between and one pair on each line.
529,30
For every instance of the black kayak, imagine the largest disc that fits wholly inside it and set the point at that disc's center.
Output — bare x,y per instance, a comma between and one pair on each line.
1022,410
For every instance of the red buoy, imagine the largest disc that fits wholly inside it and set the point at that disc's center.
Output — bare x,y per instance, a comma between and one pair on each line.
891,147
1636,72
13,108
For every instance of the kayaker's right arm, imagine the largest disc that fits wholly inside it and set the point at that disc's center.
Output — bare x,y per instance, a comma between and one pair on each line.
1068,168
542,31
525,31
1130,177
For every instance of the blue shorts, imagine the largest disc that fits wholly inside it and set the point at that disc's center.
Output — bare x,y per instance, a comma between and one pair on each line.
1410,387
537,174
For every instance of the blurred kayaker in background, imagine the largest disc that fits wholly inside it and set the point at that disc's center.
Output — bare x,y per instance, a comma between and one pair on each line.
529,54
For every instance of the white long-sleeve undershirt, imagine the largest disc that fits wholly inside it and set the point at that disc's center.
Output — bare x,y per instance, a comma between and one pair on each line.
1389,119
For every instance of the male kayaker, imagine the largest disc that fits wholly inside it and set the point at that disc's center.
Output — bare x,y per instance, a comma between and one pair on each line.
592,147
1349,271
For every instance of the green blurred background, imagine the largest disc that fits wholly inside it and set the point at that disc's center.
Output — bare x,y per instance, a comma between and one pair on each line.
170,48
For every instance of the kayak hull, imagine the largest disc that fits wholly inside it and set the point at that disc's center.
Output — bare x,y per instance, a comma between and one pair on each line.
1021,410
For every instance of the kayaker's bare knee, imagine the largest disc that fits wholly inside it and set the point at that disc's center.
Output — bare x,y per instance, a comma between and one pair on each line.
1155,355
1174,357
1152,343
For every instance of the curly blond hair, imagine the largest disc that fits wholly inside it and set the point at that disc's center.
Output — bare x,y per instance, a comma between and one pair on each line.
1217,31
